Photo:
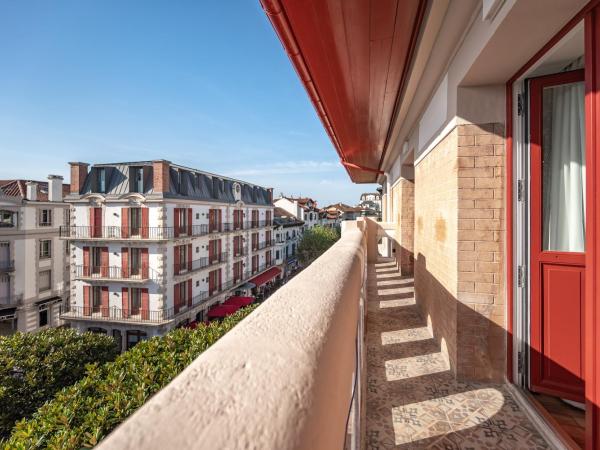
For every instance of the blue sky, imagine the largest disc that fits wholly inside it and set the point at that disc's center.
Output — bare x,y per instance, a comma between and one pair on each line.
202,83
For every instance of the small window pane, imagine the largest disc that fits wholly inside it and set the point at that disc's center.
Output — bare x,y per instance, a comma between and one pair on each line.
45,280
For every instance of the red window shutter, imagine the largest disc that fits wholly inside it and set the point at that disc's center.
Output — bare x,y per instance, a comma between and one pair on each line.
145,304
219,278
125,302
219,249
211,220
87,310
189,257
92,222
125,222
104,262
104,300
211,251
189,289
86,262
145,263
124,262
189,222
176,298
176,221
176,265
220,220
145,223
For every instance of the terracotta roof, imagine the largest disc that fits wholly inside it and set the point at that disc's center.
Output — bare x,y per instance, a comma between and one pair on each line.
342,207
284,218
18,188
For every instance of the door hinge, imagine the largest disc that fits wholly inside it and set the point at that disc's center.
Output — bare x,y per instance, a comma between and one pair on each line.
519,104
520,362
520,190
520,276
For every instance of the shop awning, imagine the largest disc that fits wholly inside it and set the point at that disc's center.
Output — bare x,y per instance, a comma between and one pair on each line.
239,301
266,276
222,311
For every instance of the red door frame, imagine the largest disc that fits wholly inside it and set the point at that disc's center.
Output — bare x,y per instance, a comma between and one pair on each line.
560,383
591,15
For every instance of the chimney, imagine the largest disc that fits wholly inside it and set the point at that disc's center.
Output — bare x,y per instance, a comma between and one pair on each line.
160,176
79,171
31,191
55,192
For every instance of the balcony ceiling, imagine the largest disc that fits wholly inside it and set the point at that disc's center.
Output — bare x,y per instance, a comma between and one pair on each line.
352,57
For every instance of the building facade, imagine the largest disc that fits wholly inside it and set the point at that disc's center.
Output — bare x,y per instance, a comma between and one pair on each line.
302,208
34,262
154,245
288,233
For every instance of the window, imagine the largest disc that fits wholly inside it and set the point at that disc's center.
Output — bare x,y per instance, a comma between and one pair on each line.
118,340
135,261
135,221
96,298
277,254
135,298
102,180
96,254
45,280
7,218
45,218
136,179
183,258
45,248
43,318
134,337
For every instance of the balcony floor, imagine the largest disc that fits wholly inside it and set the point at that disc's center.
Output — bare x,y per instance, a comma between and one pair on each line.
413,400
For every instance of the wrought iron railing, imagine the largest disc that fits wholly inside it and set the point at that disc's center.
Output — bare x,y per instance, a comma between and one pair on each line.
200,263
7,265
118,232
115,273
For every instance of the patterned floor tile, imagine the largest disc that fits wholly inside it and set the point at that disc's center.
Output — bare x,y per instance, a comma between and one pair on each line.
413,400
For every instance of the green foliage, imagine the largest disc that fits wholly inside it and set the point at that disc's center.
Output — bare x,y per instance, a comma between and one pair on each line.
315,242
35,366
82,414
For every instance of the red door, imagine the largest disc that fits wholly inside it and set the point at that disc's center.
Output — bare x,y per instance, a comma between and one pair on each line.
557,234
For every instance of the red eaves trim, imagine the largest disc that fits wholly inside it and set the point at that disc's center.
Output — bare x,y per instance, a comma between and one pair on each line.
414,37
359,167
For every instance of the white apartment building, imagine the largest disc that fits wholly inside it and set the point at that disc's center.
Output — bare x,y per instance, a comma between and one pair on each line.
154,245
288,232
34,272
302,208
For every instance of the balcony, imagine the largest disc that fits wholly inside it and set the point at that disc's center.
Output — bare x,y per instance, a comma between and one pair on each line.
115,273
200,263
131,233
265,244
7,266
240,252
223,227
325,379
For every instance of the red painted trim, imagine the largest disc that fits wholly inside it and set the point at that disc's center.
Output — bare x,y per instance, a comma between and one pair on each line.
359,167
592,294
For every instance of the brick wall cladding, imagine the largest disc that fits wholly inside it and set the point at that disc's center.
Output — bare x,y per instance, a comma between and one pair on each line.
481,321
435,240
160,176
404,196
459,232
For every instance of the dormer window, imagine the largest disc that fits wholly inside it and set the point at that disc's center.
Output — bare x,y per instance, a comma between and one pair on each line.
102,180
136,179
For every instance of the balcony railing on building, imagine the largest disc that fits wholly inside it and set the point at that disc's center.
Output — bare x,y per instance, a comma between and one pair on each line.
7,266
258,223
200,263
265,244
220,227
238,252
142,273
269,263
118,232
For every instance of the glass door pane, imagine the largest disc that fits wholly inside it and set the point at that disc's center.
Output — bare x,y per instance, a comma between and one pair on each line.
563,167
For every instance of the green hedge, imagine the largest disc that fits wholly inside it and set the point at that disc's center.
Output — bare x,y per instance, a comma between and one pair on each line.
35,366
82,414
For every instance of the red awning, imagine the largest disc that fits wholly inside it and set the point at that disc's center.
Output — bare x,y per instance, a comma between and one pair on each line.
264,277
239,301
222,311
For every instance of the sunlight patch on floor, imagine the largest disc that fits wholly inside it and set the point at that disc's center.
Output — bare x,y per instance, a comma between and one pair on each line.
416,366
396,290
407,335
397,303
443,415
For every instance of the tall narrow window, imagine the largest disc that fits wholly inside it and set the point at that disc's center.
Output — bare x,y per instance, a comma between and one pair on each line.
135,261
135,221
135,298
45,248
136,182
45,218
45,280
96,299
102,180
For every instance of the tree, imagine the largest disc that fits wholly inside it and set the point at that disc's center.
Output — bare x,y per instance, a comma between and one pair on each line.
315,242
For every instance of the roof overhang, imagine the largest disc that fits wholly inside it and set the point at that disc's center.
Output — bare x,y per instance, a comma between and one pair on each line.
353,57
